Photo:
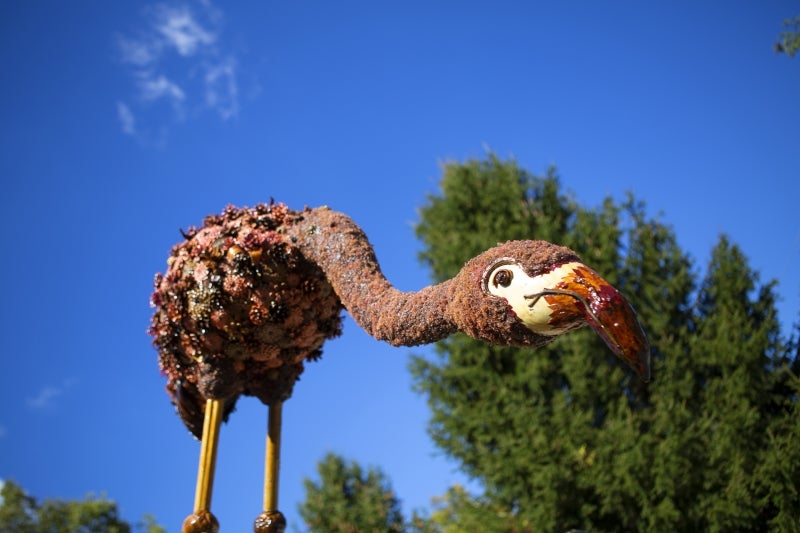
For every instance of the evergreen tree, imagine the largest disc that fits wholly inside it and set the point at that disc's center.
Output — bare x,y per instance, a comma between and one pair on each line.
348,500
775,480
565,437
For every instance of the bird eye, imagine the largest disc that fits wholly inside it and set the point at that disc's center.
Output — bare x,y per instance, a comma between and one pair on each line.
503,278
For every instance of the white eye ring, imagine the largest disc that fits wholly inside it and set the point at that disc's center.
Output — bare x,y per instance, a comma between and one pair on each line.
489,280
506,280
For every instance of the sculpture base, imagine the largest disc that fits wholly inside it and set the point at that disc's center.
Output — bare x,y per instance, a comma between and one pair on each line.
200,522
270,522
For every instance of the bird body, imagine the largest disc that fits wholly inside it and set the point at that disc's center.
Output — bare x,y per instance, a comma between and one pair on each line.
254,293
238,311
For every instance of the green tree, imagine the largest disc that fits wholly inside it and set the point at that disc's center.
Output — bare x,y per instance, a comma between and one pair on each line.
347,499
21,513
565,437
718,410
735,340
775,479
789,40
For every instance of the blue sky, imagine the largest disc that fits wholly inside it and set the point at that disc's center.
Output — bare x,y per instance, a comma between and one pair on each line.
123,122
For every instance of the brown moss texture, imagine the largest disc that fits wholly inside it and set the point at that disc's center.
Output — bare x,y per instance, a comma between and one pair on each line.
341,249
339,246
254,292
238,311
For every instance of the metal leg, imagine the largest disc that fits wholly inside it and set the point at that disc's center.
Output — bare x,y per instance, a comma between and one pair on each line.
201,520
272,520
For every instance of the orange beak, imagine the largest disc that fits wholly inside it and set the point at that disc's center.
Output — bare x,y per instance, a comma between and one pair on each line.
583,292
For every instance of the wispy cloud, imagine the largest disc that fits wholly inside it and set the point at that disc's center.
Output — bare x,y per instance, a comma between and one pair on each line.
221,89
46,397
126,118
177,55
156,88
178,27
140,53
3,434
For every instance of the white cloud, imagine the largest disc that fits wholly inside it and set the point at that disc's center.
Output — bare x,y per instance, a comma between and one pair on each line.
221,89
126,118
48,394
3,433
45,397
179,28
139,52
156,88
177,56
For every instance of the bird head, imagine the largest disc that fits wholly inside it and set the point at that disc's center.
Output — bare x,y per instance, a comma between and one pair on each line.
526,293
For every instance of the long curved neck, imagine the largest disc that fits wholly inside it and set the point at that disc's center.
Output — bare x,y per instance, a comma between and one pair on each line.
341,249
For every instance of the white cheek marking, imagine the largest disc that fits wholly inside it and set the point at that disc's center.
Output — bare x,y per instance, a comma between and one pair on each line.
537,317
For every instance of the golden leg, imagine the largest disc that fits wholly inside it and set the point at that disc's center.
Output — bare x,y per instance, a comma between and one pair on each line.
272,520
201,520
273,457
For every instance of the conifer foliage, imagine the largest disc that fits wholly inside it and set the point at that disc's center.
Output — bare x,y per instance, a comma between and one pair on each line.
565,437
346,499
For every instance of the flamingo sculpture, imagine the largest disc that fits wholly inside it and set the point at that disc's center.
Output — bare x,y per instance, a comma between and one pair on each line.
255,292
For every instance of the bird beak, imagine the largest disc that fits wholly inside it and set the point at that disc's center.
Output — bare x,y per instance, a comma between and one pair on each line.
578,291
